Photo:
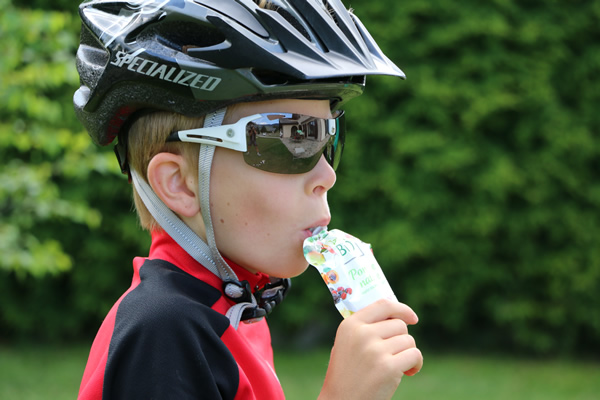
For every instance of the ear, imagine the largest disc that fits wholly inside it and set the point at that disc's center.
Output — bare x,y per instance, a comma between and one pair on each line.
171,178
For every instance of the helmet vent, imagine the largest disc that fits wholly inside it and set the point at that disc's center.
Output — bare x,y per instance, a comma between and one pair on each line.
332,13
294,22
181,35
266,4
114,8
267,77
272,6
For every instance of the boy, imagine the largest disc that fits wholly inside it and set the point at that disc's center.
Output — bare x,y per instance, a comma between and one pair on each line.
181,84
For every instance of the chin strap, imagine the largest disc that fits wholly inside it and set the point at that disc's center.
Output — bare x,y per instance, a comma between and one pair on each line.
205,158
263,300
249,307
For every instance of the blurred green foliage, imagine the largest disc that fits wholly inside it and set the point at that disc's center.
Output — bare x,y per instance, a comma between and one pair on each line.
63,202
476,180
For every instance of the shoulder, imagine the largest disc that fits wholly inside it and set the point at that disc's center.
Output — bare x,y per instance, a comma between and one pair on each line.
168,298
168,339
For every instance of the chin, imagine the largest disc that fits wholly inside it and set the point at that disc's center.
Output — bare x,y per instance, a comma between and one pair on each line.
292,271
305,266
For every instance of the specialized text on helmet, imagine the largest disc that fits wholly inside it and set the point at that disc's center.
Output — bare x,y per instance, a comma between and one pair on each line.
166,73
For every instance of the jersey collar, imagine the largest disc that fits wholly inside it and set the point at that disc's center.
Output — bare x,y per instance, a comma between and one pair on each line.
165,248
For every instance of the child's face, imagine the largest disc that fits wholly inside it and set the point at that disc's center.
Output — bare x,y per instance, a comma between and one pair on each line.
260,218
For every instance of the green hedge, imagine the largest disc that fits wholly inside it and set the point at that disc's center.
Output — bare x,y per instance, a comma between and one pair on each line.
67,227
476,180
481,192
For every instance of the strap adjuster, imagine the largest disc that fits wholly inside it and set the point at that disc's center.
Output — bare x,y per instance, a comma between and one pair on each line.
265,299
238,291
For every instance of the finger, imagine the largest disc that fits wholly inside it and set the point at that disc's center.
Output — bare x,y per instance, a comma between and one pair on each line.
410,361
398,344
386,309
389,328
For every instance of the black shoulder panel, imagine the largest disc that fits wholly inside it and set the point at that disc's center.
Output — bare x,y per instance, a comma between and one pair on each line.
167,342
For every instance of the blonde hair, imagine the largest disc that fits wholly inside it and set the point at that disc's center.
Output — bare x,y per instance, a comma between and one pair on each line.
146,138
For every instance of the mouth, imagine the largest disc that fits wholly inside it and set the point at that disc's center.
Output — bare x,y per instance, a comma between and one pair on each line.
320,225
317,229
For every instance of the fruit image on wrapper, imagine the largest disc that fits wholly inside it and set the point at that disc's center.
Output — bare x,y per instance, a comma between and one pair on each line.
314,258
349,269
340,293
329,275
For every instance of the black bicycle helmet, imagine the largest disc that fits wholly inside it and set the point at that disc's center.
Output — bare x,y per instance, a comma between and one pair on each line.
196,56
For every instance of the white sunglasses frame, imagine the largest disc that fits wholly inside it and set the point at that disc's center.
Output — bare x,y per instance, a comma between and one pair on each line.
231,136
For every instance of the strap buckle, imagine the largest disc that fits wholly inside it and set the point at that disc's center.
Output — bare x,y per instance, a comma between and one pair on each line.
265,299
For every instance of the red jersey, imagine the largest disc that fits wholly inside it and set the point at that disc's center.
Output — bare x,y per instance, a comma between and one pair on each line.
168,337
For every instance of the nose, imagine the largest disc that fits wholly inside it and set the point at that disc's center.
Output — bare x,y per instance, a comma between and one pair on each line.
321,178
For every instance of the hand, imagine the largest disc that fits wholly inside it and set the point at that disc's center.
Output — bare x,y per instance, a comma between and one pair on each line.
372,352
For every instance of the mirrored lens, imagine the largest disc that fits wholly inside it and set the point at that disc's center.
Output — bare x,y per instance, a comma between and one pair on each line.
293,143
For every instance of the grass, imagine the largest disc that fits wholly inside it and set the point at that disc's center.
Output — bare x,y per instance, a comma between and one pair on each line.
41,372
44,372
454,377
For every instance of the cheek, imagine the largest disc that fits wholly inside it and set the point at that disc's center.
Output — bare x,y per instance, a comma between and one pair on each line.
256,230
254,209
241,209
256,217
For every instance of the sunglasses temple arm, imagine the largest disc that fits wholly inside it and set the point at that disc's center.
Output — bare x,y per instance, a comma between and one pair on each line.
228,136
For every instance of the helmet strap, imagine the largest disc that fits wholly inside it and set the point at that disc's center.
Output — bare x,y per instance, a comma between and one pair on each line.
175,227
205,158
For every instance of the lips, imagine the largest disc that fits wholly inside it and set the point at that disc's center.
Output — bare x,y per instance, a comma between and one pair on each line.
319,226
317,229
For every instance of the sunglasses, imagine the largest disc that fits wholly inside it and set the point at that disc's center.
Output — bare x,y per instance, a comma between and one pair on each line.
284,143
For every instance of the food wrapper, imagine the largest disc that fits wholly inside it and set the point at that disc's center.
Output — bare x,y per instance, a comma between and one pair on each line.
349,268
